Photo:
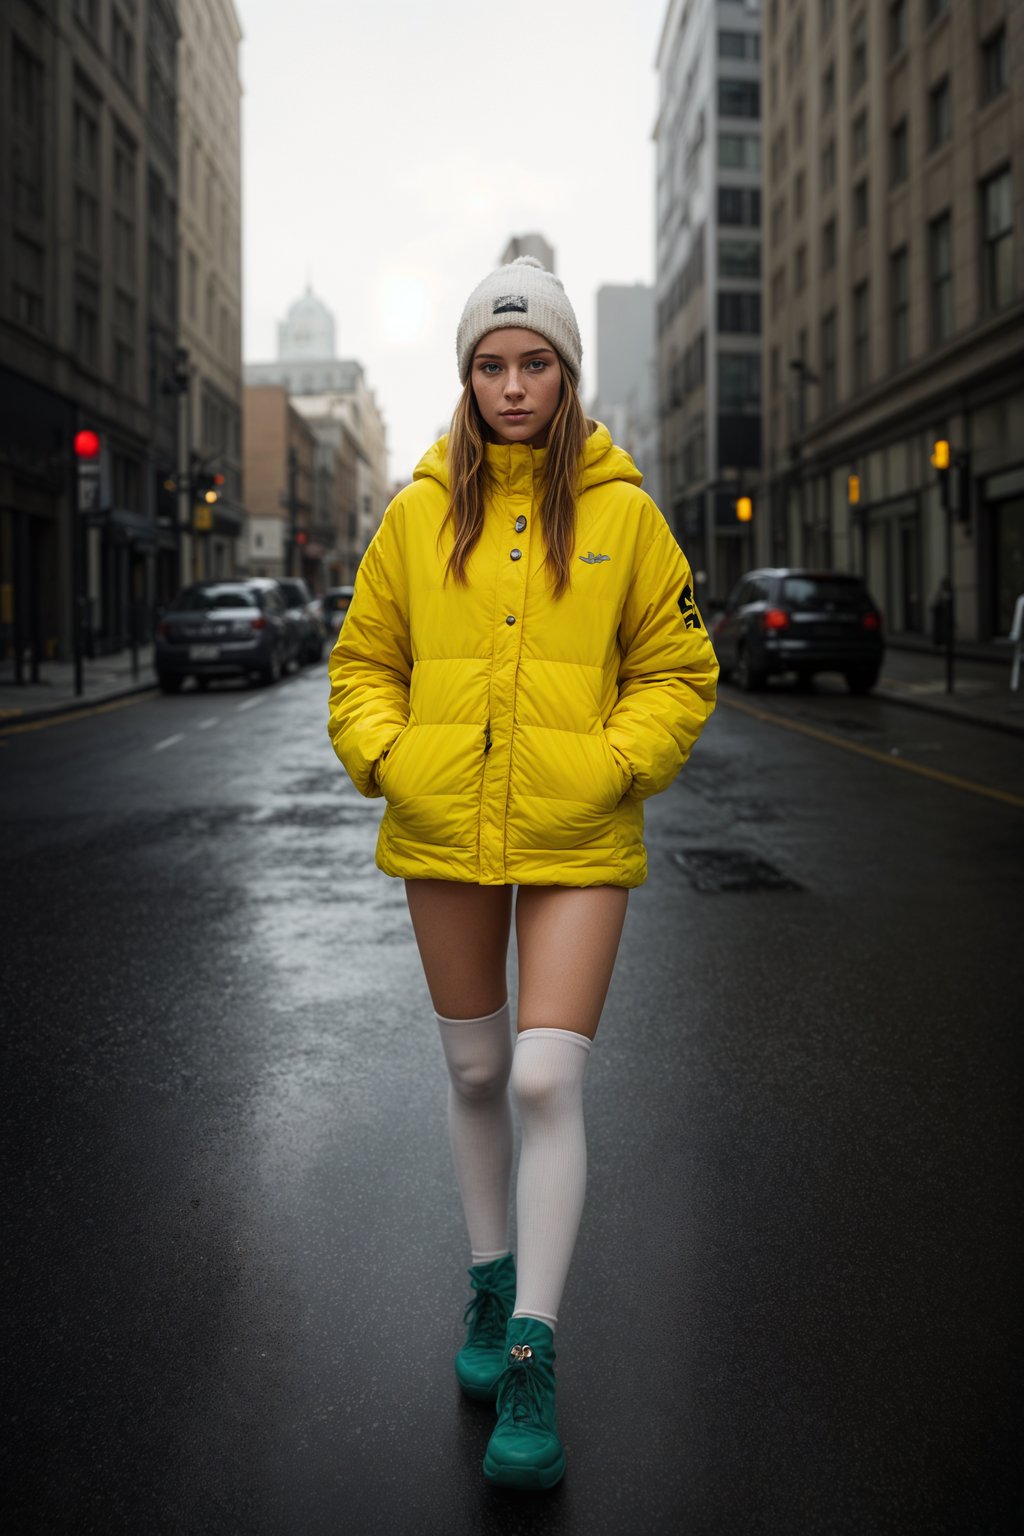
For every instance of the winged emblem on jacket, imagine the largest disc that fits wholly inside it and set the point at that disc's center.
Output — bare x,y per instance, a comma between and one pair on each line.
591,559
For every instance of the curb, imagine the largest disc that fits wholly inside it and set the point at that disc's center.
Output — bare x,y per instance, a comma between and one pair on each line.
73,706
930,707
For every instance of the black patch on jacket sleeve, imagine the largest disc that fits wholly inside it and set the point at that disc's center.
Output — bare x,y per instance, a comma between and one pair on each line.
688,609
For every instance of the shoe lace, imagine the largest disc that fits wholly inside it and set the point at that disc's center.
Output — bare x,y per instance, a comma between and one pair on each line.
519,1393
486,1317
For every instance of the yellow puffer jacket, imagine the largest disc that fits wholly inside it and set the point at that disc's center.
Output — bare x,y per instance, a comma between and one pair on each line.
515,736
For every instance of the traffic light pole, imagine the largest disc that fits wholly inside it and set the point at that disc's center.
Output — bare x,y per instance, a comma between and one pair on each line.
950,601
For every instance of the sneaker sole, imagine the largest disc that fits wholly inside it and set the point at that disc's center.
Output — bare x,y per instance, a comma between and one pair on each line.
524,1478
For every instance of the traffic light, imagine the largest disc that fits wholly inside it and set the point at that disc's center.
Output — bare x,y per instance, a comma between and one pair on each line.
301,536
940,454
207,487
744,509
853,490
88,446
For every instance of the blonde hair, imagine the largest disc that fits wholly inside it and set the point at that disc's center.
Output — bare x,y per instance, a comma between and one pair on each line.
468,477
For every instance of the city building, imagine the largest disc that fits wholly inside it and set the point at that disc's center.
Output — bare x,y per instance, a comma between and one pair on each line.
88,322
894,282
332,395
708,288
280,473
626,398
210,283
529,245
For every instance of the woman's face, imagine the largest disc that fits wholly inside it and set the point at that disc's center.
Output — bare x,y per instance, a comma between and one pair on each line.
517,381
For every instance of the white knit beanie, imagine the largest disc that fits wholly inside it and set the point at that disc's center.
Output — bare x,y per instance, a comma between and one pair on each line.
525,294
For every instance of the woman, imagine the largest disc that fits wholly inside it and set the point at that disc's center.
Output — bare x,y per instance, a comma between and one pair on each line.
521,666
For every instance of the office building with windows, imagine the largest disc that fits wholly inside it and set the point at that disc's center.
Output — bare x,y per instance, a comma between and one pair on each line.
894,300
708,142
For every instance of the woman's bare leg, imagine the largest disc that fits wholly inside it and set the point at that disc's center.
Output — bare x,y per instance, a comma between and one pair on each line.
568,940
462,932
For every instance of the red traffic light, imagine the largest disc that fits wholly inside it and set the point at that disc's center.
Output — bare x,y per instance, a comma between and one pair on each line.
218,479
87,444
302,537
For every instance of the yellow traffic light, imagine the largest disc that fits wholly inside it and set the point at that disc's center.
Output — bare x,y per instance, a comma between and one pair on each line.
853,490
211,497
744,509
940,454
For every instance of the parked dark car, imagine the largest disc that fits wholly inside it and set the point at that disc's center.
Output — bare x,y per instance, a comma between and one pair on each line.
800,621
303,614
335,607
224,629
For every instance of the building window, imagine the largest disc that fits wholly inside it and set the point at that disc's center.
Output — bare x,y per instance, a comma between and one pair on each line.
997,229
800,269
858,54
933,9
26,89
860,204
795,48
739,258
899,309
897,27
779,153
122,51
740,313
798,122
828,246
828,166
861,337
828,15
739,381
828,361
193,286
739,98
898,162
87,13
799,184
940,116
28,283
940,274
739,45
87,322
860,136
87,222
995,71
778,290
739,151
739,205
828,89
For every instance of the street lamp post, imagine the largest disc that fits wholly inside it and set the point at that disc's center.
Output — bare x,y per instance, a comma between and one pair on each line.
941,459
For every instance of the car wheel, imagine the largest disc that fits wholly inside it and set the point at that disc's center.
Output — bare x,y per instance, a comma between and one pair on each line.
747,676
804,680
170,682
271,673
202,683
861,679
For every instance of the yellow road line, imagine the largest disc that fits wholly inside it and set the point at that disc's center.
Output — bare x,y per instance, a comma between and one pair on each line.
77,714
878,757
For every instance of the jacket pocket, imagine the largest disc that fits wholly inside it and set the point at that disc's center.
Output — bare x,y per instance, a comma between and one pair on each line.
386,764
623,777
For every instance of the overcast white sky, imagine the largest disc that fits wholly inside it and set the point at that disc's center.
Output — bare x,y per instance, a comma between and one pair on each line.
391,148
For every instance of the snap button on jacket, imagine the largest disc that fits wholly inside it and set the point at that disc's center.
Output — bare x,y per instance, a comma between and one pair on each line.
515,736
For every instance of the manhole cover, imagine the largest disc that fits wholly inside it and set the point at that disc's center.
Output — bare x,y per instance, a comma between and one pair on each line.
729,869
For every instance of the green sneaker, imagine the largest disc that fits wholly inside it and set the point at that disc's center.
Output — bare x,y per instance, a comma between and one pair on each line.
524,1451
481,1360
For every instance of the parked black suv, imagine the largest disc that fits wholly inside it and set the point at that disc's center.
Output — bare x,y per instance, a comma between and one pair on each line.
800,621
304,614
222,629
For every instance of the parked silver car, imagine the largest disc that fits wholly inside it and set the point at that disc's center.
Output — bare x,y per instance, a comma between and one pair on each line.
304,614
225,629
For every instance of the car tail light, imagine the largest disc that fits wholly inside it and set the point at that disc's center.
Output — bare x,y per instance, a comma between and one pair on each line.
774,618
870,621
258,623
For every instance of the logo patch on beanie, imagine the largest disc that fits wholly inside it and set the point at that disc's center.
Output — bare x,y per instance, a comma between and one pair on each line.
509,303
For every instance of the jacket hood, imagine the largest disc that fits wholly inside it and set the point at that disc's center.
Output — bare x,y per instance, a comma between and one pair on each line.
602,461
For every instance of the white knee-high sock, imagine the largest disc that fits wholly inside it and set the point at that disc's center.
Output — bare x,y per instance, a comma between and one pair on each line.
547,1082
479,1056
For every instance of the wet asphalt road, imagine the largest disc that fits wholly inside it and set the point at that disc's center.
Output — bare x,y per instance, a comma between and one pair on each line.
232,1252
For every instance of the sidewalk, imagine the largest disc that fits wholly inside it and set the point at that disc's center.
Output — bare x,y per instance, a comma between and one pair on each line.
103,680
914,674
